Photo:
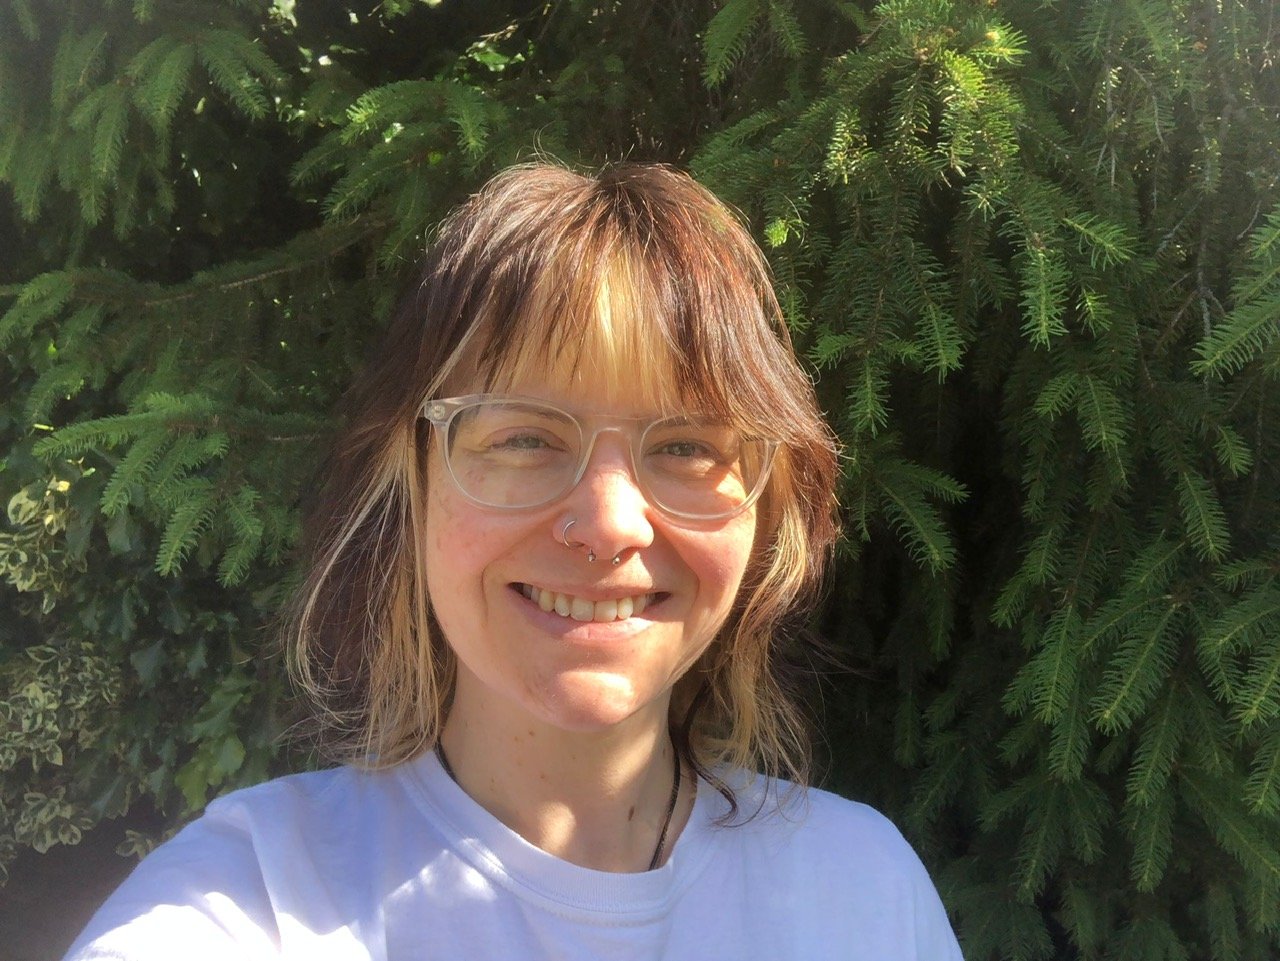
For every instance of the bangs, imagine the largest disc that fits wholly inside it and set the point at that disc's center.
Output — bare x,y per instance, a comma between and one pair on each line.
600,331
637,289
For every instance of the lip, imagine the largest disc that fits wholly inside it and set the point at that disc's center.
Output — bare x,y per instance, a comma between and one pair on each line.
566,628
596,593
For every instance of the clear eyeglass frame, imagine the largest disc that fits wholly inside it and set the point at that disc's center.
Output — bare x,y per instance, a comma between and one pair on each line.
441,413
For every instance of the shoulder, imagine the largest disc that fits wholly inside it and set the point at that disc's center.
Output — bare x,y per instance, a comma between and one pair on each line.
833,826
845,826
843,867
216,885
299,797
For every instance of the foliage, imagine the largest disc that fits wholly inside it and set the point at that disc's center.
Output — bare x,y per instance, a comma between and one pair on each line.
1032,250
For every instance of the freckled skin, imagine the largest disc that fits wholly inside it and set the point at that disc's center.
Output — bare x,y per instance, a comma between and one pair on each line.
509,665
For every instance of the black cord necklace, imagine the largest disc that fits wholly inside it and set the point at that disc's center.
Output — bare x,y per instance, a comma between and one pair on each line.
666,821
671,810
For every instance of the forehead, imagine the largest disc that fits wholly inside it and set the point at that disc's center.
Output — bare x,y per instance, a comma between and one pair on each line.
596,384
609,352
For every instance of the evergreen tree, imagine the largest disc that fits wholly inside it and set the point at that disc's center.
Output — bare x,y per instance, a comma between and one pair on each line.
1031,249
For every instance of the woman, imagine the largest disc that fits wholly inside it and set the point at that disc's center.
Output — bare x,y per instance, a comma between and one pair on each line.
581,493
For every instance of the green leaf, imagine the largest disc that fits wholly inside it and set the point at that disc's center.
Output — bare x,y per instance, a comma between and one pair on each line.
162,88
940,340
147,663
1044,296
786,29
236,67
1257,699
186,524
725,40
469,108
121,531
1107,243
1057,395
229,757
1223,923
193,780
1102,415
41,298
1262,791
1202,514
110,133
1237,832
918,524
1136,673
1042,842
133,471
1157,751
1045,684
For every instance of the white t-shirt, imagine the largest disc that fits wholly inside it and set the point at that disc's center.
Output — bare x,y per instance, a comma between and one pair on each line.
402,865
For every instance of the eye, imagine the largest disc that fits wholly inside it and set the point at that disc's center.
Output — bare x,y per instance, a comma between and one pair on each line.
522,440
513,432
686,448
686,460
690,442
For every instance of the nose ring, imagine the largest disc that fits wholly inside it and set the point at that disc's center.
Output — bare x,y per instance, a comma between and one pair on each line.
591,555
564,539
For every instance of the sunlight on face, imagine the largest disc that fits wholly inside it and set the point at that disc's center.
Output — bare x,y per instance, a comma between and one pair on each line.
493,573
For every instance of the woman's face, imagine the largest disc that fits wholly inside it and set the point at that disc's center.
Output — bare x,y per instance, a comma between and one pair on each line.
519,661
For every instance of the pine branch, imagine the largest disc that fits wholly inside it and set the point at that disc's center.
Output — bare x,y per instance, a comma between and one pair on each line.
1045,684
1234,829
1202,513
1157,751
194,509
1150,827
1042,842
1223,924
1262,790
725,38
243,514
1136,672
1258,696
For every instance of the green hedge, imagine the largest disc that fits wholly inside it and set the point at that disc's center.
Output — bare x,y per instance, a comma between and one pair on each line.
1031,248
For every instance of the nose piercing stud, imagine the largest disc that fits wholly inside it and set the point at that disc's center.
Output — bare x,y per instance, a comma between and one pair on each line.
591,555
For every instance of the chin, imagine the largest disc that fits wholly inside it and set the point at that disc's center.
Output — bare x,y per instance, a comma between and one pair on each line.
591,701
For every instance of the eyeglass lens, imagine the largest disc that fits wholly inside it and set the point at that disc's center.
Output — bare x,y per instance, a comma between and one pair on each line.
510,453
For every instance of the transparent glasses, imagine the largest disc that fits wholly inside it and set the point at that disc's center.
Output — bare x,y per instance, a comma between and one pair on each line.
517,453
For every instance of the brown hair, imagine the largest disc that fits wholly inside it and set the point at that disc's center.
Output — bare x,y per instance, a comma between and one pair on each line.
514,285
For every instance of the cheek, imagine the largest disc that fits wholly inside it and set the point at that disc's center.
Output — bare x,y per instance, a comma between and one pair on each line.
455,535
438,526
723,567
451,554
445,532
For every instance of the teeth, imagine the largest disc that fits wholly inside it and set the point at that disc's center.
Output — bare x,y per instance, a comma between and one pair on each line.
580,609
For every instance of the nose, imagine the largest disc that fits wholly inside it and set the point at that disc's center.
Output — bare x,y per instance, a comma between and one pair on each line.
611,512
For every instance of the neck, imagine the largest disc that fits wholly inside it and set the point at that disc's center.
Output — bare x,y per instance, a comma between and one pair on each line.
599,799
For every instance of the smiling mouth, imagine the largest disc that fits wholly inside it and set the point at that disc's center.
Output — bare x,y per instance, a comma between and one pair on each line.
581,609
